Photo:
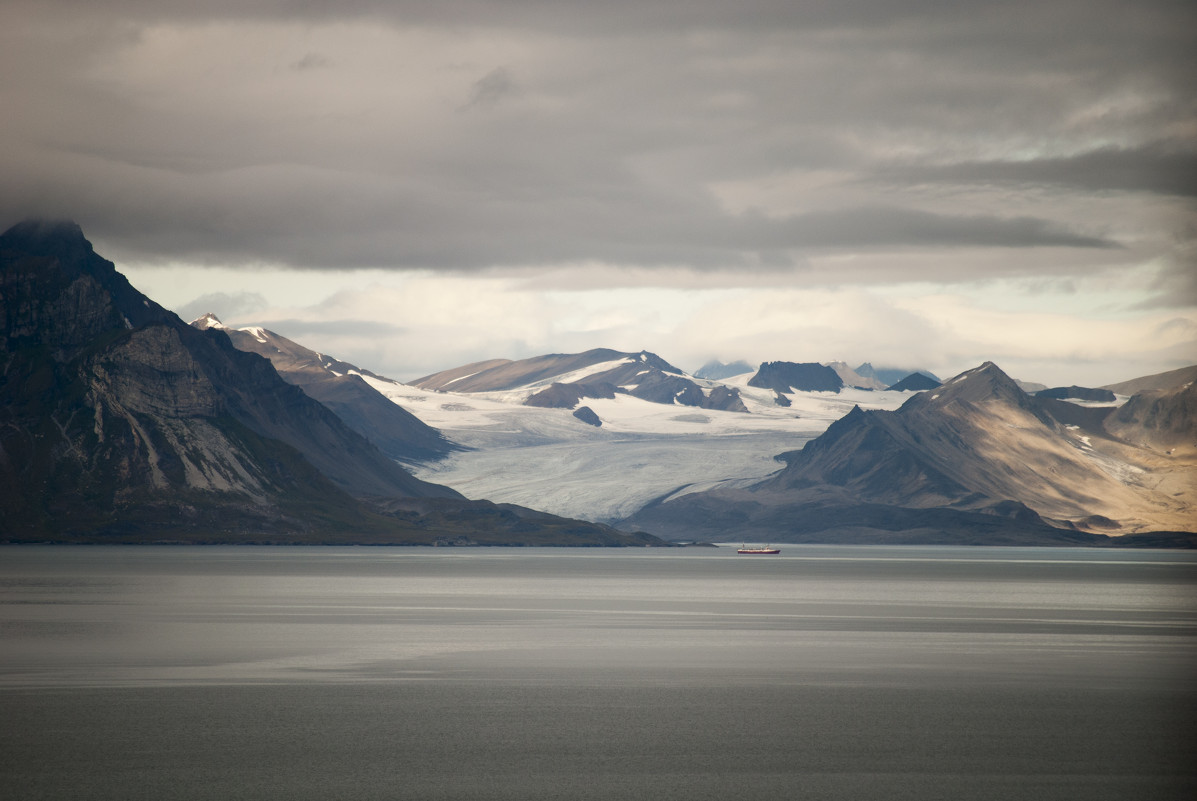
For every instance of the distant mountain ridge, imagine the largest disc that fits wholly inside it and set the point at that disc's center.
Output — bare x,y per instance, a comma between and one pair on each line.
1173,379
561,380
717,370
784,377
976,460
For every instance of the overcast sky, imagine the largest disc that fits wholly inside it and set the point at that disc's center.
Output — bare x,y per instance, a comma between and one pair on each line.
416,185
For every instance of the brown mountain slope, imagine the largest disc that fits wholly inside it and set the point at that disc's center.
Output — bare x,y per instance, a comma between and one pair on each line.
975,460
1173,379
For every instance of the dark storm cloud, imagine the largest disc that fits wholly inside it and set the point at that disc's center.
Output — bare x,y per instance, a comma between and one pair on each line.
462,135
896,227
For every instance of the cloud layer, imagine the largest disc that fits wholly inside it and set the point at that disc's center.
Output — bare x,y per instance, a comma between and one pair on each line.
810,146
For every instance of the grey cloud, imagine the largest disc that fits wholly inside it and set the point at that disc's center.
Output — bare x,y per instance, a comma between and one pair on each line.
490,88
1157,168
903,227
310,61
635,136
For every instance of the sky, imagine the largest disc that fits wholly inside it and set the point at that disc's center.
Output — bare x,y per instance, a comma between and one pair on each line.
412,186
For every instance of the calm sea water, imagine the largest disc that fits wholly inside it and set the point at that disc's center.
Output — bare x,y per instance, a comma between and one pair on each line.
384,673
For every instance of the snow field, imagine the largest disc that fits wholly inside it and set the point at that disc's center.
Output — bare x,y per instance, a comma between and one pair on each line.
549,460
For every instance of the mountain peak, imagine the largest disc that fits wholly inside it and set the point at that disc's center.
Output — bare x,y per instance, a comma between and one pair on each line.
62,240
207,321
30,234
983,383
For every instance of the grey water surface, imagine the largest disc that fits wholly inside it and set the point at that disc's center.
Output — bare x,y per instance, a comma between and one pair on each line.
405,673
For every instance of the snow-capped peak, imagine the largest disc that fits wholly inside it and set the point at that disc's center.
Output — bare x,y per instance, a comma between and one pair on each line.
207,321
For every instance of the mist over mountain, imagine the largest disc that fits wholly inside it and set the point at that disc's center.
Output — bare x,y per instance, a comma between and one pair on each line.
717,370
888,376
851,378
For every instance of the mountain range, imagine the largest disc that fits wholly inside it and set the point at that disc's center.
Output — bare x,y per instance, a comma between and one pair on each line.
119,422
977,460
561,380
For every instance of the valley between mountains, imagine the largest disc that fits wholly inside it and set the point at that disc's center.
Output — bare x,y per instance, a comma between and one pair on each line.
120,422
802,452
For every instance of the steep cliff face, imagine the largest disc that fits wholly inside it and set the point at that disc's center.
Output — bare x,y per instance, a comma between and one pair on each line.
115,416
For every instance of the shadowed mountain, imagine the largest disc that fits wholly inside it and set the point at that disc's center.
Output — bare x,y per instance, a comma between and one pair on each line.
338,385
119,422
1077,393
915,382
785,377
975,461
562,380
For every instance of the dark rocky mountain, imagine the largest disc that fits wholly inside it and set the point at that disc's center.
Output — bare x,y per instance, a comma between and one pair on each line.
561,380
119,422
975,461
915,382
339,385
716,370
1077,393
796,377
587,415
